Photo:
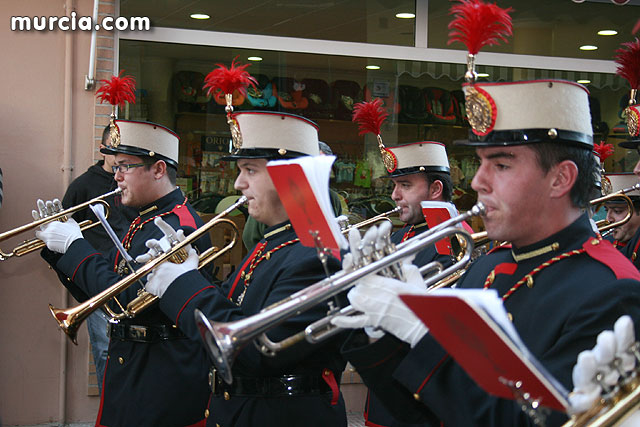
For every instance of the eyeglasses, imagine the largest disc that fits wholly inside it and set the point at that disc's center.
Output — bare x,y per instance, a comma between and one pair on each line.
124,167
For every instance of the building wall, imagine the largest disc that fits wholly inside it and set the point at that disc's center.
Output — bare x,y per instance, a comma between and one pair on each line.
47,126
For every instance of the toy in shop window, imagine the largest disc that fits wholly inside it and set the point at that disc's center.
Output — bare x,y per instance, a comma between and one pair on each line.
262,96
290,94
440,109
187,91
318,92
413,107
344,95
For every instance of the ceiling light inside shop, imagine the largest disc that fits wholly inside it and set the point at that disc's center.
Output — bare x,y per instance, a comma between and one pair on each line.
199,16
588,47
584,81
482,74
254,58
607,32
372,67
405,15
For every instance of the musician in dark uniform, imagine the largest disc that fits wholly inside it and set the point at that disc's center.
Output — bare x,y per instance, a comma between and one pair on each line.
421,173
559,281
155,375
300,385
632,248
617,210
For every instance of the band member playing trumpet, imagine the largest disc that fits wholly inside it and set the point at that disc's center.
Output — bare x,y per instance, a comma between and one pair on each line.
618,210
299,386
559,281
155,375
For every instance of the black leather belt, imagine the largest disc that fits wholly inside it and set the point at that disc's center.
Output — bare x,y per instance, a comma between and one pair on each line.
286,385
144,333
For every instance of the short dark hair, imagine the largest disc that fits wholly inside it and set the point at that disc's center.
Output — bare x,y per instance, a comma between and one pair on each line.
445,179
106,133
550,154
172,172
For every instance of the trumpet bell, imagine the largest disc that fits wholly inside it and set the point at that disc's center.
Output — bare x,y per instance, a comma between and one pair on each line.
65,320
219,341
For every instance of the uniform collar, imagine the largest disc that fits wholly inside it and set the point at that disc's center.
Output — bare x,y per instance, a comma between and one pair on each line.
163,204
277,229
566,239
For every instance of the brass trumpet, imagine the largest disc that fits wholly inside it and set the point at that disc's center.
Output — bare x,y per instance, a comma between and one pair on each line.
70,319
223,340
380,217
604,225
34,244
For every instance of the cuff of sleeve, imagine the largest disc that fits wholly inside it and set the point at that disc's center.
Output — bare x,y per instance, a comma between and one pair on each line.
420,364
77,252
363,355
179,293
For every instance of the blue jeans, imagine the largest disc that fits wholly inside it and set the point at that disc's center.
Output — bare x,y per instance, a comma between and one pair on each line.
97,326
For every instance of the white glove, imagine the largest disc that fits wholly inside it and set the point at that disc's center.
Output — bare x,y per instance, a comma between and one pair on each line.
625,337
377,298
585,389
163,275
57,235
157,247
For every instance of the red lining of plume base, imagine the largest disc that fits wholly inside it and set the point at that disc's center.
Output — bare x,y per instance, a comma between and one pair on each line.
494,111
479,24
118,90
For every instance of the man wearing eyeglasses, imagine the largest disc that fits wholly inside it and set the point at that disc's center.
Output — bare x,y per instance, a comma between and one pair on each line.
155,376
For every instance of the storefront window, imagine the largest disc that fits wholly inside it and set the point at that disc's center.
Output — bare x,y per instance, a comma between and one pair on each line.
424,98
363,21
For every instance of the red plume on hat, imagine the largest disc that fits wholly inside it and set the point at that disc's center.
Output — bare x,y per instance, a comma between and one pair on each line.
628,63
369,116
478,24
228,80
603,151
116,91
628,60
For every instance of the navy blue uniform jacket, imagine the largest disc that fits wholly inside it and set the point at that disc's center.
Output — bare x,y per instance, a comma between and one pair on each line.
570,303
375,414
287,270
160,383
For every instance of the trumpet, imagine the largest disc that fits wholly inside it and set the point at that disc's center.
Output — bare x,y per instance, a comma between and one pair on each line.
70,319
34,244
223,340
380,217
603,225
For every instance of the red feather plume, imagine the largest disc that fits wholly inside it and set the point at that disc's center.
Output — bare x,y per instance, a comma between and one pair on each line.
628,60
117,90
229,79
603,150
479,24
369,116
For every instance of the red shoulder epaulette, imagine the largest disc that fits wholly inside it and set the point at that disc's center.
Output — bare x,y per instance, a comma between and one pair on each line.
185,216
603,251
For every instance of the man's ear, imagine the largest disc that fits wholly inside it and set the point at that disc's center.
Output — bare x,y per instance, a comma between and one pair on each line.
159,169
435,190
564,176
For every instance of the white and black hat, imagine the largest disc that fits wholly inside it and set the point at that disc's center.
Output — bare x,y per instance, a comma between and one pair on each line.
516,113
144,139
623,181
425,156
274,135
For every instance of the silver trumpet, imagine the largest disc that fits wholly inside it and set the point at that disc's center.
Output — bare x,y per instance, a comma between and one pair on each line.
223,340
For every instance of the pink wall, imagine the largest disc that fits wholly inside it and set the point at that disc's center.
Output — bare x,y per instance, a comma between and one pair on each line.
32,157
